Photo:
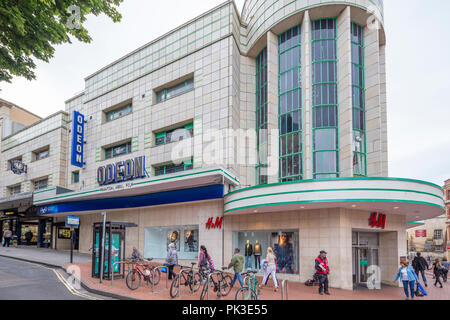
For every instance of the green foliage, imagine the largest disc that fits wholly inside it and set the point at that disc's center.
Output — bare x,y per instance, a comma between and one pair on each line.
31,28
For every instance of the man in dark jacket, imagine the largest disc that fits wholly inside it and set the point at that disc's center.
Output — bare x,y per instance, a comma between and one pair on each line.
322,271
420,265
28,237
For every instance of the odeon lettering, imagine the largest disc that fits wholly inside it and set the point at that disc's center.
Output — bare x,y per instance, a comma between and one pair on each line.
122,171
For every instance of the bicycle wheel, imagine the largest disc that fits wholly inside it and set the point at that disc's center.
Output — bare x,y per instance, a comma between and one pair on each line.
225,285
204,291
195,282
133,280
245,293
174,287
155,277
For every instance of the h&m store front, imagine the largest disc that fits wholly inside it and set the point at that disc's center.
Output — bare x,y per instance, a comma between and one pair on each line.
360,222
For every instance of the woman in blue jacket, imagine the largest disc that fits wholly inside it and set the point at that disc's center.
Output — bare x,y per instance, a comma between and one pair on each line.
408,277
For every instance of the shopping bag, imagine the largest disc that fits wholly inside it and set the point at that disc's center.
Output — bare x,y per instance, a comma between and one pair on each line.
164,270
422,289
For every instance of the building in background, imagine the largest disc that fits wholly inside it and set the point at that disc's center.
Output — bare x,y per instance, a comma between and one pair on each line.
264,127
15,199
447,209
429,238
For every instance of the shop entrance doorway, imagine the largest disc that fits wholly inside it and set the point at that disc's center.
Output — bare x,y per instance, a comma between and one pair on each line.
366,253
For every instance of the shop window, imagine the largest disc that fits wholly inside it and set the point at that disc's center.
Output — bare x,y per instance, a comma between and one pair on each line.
439,248
41,154
119,150
185,239
284,244
173,168
119,112
175,90
174,135
40,184
14,190
75,176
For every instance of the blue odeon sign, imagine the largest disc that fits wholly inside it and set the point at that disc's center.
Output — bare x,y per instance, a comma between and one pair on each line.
77,139
121,171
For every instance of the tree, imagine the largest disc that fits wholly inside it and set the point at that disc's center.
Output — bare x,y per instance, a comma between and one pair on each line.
31,28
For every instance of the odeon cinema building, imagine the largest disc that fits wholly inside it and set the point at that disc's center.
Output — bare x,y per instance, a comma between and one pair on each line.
266,126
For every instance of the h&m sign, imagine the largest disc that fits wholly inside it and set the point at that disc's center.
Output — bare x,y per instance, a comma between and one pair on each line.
77,139
210,224
122,171
377,220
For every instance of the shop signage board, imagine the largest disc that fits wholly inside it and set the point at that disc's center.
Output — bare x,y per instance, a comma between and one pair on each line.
421,233
18,167
72,221
122,171
217,224
377,220
77,139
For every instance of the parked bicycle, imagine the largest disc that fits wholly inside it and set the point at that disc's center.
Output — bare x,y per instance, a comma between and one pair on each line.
186,277
221,285
250,290
142,269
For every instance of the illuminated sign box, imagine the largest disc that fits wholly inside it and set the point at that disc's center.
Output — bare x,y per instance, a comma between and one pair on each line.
77,139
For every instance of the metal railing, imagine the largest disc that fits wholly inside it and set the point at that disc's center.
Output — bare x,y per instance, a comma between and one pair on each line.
182,269
208,280
284,289
125,262
153,276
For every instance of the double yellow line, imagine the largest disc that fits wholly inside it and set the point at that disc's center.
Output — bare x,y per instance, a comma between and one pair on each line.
72,289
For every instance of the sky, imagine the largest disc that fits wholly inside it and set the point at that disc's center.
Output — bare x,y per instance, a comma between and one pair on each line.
418,73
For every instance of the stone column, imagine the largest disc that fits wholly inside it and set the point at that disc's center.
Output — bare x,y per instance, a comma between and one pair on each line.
272,107
344,52
373,103
306,97
383,101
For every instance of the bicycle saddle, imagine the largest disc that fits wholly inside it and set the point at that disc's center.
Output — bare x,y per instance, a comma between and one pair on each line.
148,259
224,268
252,271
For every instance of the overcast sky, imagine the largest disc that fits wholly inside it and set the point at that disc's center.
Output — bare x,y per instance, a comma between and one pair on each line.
418,73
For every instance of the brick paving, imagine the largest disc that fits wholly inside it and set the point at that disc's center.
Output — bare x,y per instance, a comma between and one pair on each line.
297,291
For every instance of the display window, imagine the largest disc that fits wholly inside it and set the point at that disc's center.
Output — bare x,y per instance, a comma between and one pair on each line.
185,239
33,228
255,243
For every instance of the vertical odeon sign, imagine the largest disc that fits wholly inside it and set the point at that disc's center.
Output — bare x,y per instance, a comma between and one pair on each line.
77,139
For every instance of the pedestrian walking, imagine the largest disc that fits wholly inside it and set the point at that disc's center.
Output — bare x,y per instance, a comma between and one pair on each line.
7,237
205,261
438,271
446,266
408,277
172,259
28,237
237,263
322,272
420,265
271,269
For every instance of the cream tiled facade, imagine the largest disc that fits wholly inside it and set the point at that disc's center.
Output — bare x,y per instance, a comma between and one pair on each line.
218,50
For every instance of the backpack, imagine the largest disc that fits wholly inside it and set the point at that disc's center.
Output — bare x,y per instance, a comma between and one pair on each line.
309,283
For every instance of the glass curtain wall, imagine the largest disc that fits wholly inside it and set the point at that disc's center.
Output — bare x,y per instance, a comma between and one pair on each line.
290,105
261,117
358,102
325,99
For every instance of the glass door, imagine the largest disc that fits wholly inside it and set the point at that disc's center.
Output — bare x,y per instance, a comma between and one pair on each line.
364,256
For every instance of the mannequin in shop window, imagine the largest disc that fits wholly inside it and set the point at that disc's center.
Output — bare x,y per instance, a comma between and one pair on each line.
257,253
284,253
248,255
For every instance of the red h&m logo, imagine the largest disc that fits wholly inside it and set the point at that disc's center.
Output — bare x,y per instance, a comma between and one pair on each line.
213,225
377,220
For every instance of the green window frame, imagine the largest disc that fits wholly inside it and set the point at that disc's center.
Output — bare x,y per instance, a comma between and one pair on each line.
290,105
165,137
40,184
325,124
358,101
119,112
76,176
118,150
175,90
261,118
174,168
